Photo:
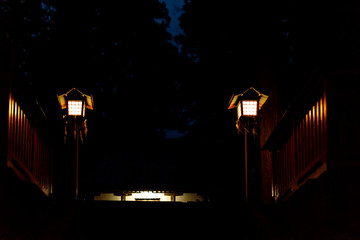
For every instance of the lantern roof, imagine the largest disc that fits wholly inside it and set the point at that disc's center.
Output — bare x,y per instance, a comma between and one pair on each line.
76,94
248,93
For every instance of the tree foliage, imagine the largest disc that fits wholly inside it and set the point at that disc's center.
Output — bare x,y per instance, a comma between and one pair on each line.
147,91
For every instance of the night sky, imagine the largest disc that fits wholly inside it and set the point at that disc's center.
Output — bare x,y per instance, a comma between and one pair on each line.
162,74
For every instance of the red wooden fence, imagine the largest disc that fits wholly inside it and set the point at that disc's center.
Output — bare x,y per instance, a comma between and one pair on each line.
27,150
303,150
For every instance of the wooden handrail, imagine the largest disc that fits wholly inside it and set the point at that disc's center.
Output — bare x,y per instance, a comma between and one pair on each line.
28,151
302,148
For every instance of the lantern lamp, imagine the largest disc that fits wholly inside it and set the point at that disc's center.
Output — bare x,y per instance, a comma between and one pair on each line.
75,102
248,103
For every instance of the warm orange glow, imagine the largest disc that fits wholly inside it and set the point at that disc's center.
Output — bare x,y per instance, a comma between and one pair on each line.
250,107
239,110
62,101
75,108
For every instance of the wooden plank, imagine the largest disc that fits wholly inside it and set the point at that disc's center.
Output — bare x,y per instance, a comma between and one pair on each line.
325,120
31,148
300,143
21,144
293,154
15,127
10,122
287,162
307,142
28,145
284,169
281,171
318,135
310,138
290,159
277,175
314,143
25,143
322,124
18,131
35,153
24,140
38,160
297,150
42,163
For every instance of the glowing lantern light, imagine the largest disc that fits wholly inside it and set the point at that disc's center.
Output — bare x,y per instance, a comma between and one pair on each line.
249,108
75,108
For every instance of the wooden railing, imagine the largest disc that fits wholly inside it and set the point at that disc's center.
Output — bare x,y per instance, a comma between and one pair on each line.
304,149
28,151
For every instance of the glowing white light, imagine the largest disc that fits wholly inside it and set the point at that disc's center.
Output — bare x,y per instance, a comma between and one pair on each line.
75,108
249,107
148,196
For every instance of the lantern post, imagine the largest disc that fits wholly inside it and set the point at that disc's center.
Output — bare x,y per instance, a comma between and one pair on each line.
248,105
75,102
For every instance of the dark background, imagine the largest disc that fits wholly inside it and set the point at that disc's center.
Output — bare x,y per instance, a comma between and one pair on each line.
160,117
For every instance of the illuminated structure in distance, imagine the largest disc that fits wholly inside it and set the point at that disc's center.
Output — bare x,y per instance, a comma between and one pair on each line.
151,196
